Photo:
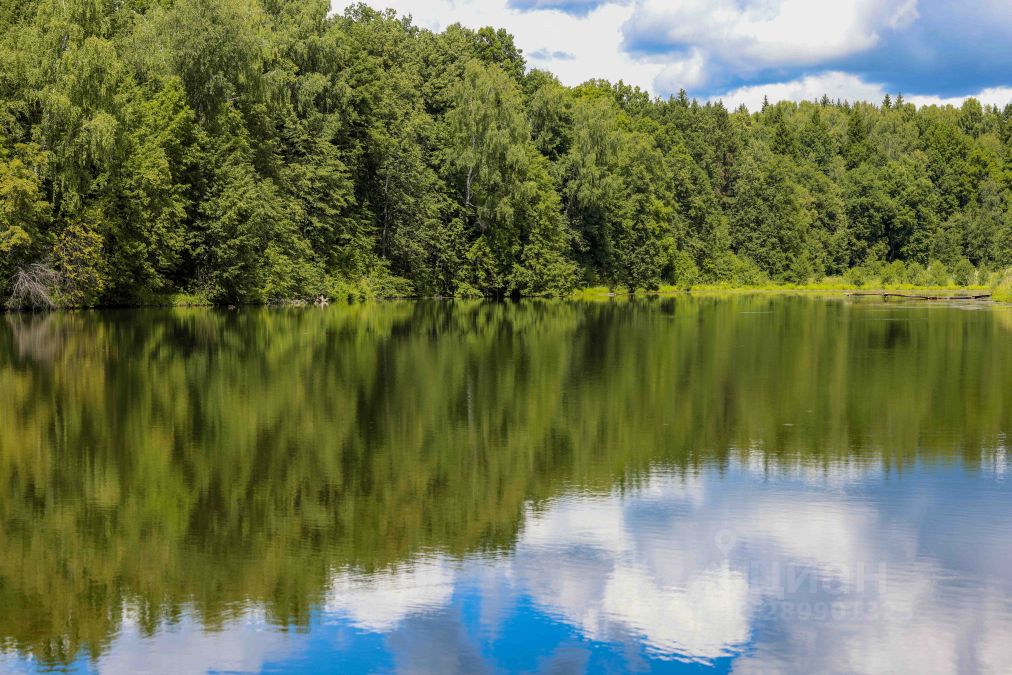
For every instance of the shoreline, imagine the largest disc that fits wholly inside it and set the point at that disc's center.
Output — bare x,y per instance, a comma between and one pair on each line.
883,291
973,293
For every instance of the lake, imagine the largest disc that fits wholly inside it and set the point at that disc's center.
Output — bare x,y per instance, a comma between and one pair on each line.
750,484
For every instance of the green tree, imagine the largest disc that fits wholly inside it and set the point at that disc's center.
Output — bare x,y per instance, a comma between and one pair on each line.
964,273
24,211
506,198
770,215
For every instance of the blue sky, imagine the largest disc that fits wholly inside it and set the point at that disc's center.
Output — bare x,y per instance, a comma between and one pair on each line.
933,51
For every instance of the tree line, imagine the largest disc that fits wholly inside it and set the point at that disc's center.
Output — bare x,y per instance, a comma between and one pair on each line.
268,150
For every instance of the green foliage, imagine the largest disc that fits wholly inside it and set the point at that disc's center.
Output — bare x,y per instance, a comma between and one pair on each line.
508,204
916,274
936,274
379,285
1002,291
893,273
743,271
857,276
80,265
264,151
964,272
684,272
24,211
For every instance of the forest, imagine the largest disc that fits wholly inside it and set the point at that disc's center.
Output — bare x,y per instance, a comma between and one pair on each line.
255,151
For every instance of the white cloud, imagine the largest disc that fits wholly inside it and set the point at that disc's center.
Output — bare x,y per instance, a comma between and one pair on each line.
811,87
683,73
594,41
844,86
999,96
752,35
666,45
586,562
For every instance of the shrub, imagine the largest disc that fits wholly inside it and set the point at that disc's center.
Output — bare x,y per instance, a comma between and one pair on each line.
745,272
964,273
916,274
1002,291
894,273
874,268
858,276
801,269
937,275
466,290
378,285
683,270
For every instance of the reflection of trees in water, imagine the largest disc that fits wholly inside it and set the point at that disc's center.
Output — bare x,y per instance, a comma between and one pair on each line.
37,337
206,458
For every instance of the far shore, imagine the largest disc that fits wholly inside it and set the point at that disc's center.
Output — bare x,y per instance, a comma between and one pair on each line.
971,293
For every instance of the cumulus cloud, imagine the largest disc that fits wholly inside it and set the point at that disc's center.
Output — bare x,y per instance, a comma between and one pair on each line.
582,44
683,73
999,96
704,618
836,85
930,50
766,33
952,49
737,39
927,47
846,87
589,562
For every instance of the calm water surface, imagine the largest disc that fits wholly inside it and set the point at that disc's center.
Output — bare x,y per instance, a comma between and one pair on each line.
752,484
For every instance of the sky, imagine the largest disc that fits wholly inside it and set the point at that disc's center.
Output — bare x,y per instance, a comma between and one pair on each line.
738,51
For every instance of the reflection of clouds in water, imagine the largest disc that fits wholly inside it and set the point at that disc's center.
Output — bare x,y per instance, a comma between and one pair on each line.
842,474
379,601
615,565
916,626
703,618
645,565
239,646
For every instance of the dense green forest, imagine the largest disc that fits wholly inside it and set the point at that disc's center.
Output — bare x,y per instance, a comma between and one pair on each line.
267,150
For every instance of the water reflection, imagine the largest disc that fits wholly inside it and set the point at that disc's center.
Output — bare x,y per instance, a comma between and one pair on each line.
752,484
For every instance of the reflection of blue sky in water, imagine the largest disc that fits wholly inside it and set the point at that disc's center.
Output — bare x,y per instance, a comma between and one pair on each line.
753,569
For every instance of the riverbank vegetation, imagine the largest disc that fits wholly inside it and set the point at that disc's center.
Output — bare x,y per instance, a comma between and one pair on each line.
226,151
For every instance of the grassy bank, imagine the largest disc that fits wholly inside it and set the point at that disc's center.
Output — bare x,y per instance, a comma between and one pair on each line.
998,284
1001,290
